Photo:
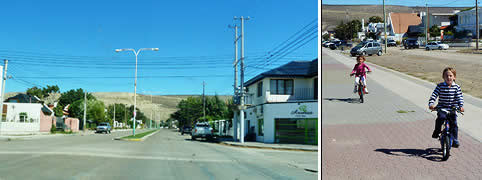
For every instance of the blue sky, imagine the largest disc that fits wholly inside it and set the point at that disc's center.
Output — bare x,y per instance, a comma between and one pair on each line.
434,3
71,44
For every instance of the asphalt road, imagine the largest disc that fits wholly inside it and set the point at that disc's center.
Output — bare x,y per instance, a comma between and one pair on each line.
165,155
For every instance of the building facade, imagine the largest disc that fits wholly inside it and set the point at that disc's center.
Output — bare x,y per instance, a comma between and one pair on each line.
466,21
282,104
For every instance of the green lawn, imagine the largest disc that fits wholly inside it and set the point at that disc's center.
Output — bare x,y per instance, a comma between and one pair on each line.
140,135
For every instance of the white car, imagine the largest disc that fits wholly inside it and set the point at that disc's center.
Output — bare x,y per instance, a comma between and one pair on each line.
436,45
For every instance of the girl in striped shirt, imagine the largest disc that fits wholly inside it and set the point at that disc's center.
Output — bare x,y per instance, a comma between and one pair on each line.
449,94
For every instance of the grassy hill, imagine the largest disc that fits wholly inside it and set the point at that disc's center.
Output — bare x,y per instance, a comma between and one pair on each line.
161,106
332,15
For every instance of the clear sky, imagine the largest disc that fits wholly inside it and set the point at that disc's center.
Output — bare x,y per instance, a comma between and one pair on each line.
72,43
434,3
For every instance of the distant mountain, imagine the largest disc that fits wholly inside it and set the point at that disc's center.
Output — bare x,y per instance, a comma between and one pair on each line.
162,105
332,15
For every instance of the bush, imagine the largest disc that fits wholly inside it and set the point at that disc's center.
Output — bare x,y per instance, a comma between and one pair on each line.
53,129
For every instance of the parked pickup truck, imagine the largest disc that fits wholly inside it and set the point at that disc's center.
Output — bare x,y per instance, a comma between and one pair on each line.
202,130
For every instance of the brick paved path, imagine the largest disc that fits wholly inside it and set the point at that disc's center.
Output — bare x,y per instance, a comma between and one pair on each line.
374,141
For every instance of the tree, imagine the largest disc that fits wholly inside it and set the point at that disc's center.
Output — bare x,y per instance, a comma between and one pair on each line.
434,31
191,110
375,19
44,92
348,30
73,95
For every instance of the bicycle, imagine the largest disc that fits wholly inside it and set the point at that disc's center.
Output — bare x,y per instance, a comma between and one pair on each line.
446,137
361,89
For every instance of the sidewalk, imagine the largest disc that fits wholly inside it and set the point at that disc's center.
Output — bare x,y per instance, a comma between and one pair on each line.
418,92
259,145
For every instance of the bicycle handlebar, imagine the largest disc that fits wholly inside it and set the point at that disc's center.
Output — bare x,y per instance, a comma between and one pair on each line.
453,109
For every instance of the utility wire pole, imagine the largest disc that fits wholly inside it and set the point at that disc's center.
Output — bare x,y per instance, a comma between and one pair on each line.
385,26
204,103
3,90
241,113
114,115
235,63
85,110
477,24
426,25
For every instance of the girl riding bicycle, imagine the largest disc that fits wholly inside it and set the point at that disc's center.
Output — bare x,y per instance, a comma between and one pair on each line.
359,72
449,94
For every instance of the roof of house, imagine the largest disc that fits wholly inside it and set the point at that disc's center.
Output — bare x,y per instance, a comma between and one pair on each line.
401,21
24,98
291,69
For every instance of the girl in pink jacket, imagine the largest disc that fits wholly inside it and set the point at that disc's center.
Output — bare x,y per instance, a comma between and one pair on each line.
359,72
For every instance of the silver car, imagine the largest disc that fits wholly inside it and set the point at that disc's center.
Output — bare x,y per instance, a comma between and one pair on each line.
367,48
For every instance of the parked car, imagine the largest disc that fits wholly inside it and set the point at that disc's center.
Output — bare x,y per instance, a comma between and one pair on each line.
411,43
436,45
202,130
186,130
366,48
391,43
103,127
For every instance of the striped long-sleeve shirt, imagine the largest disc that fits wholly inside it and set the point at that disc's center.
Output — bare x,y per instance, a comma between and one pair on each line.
448,96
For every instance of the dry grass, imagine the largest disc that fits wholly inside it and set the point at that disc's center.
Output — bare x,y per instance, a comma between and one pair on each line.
160,108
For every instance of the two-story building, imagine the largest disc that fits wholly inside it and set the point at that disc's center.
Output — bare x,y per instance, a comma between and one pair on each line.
282,104
466,22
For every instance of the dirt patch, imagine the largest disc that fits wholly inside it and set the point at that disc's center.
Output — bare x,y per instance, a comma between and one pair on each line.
428,65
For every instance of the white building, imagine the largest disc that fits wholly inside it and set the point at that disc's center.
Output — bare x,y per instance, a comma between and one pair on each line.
21,118
283,104
466,21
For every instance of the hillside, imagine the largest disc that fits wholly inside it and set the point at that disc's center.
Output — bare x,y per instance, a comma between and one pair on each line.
162,106
332,15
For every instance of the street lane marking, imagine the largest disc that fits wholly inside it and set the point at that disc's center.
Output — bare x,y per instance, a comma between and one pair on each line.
116,156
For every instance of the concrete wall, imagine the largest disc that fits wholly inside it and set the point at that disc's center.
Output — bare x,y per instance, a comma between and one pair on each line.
46,122
72,124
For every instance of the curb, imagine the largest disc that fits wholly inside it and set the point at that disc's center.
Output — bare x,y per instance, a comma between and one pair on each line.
137,139
271,148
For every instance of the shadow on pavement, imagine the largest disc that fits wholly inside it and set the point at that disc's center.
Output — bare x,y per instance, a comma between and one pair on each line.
347,100
432,154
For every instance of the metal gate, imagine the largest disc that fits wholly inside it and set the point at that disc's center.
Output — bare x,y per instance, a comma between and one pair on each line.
296,130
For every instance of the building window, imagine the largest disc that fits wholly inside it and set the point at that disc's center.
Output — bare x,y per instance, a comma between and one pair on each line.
260,89
260,127
281,86
23,117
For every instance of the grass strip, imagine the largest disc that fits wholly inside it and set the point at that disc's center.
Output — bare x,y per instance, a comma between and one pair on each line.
140,135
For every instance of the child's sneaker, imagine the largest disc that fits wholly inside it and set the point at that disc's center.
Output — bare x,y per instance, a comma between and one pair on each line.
455,144
355,90
366,90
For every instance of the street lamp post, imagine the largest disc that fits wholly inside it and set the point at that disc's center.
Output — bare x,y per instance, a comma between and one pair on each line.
135,82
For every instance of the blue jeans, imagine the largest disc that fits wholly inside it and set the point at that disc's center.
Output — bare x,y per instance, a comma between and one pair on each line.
454,129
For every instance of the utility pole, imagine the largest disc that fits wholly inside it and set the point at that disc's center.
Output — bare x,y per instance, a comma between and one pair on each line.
152,111
426,25
204,104
114,116
85,110
235,63
477,24
241,113
385,26
125,114
3,90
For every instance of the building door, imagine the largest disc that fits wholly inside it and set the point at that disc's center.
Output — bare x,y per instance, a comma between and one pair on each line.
296,130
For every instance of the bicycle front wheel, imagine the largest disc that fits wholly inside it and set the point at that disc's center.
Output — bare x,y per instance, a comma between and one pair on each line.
446,148
360,92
